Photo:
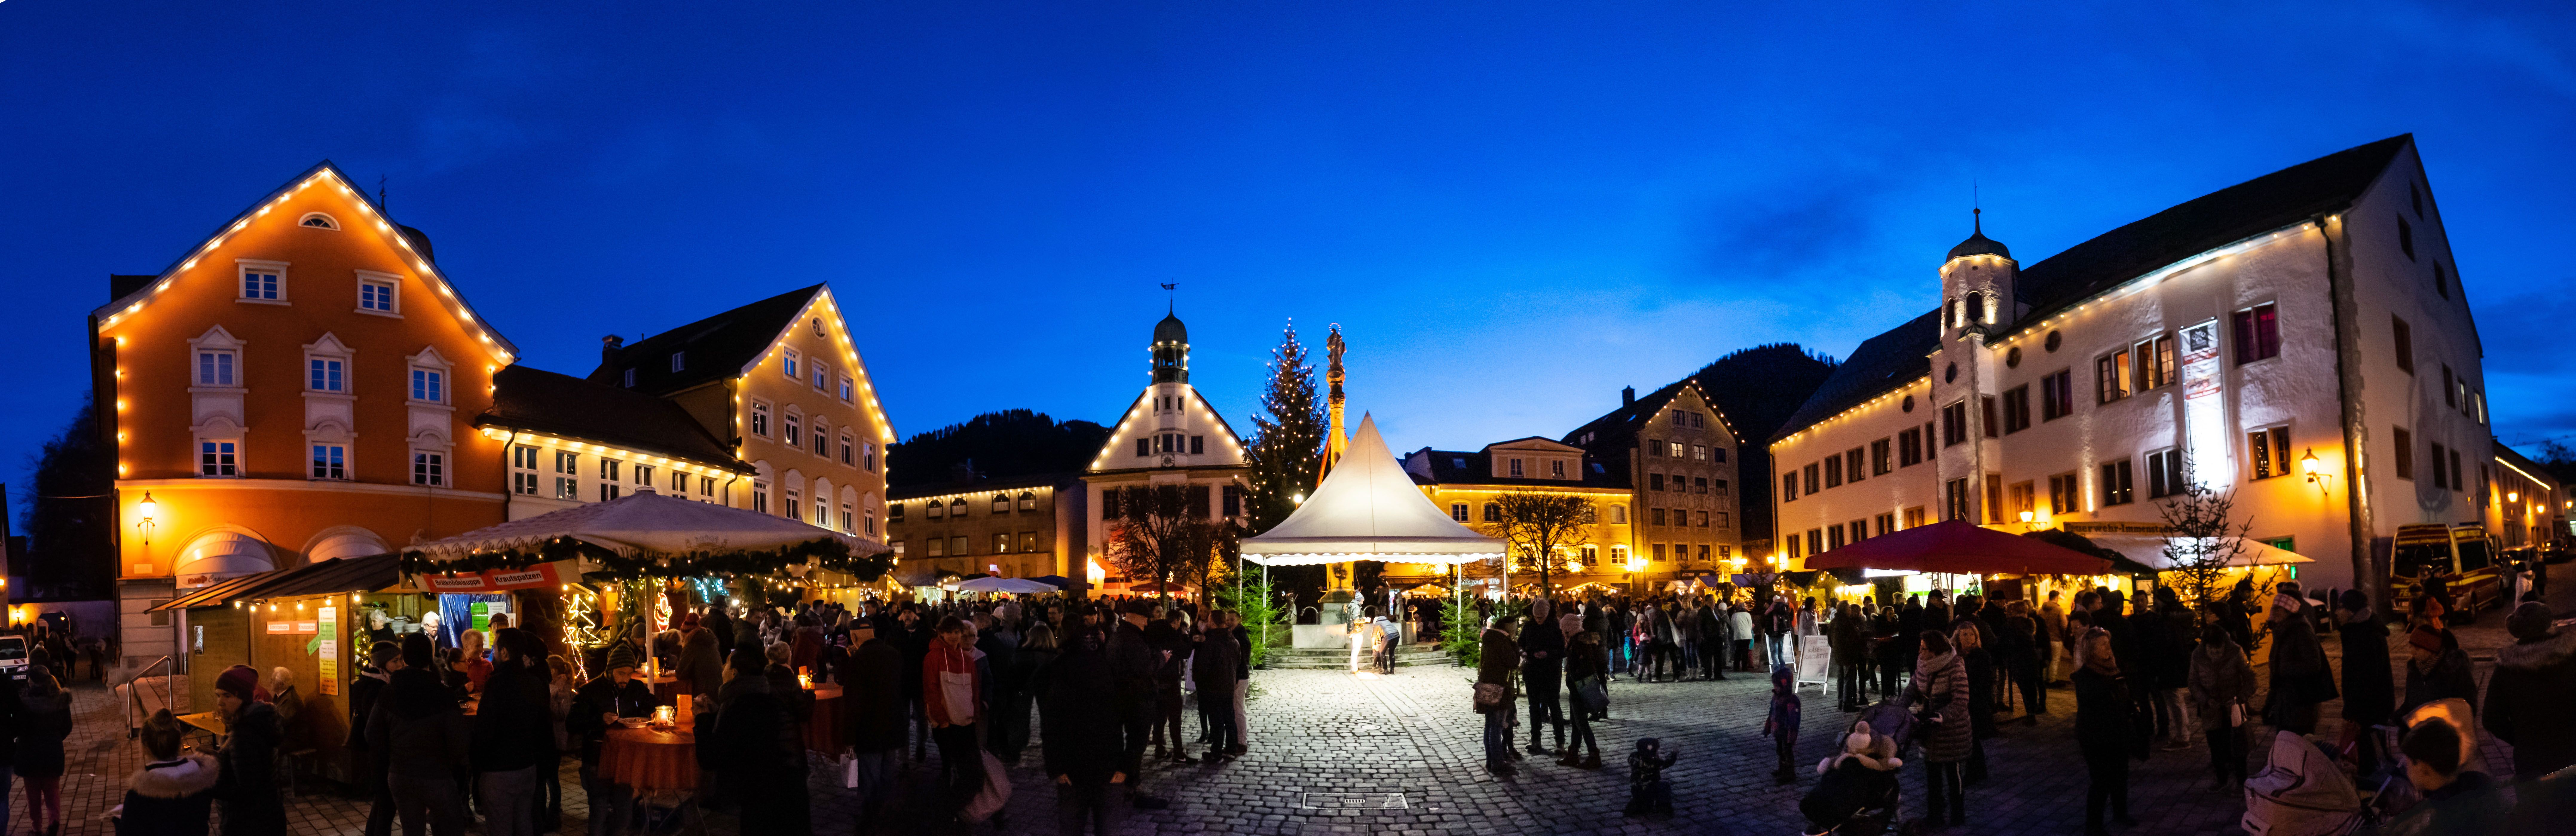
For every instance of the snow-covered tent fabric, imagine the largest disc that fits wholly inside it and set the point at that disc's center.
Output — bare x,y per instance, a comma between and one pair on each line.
641,524
1368,509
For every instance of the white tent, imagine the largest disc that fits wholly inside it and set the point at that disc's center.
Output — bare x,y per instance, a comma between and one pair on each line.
1368,509
1013,585
645,523
2150,550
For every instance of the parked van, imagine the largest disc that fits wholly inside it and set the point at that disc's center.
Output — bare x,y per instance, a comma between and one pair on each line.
2462,556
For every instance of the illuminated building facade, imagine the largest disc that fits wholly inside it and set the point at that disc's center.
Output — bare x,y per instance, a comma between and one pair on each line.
296,387
2301,341
781,382
1168,436
573,441
1675,455
1014,528
1470,486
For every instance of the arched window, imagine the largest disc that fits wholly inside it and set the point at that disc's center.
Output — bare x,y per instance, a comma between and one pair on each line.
318,220
957,507
1001,503
1976,307
1028,501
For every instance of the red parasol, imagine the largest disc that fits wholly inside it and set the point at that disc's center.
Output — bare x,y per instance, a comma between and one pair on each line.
1959,547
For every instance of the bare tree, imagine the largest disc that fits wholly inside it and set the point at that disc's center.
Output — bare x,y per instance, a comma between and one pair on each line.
2201,539
1165,532
1535,525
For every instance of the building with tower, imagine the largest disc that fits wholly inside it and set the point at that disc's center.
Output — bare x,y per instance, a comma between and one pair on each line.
2300,341
1168,435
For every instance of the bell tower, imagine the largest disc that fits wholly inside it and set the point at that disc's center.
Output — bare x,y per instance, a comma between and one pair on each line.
1977,285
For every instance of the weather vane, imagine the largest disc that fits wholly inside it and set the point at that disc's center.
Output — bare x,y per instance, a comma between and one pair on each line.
1168,303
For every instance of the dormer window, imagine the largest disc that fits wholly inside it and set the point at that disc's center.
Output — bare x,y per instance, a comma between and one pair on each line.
317,220
679,361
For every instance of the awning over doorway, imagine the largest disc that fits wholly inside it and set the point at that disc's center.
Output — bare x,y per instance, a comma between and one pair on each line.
329,577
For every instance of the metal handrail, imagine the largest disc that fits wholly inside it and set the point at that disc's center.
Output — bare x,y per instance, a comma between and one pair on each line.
134,694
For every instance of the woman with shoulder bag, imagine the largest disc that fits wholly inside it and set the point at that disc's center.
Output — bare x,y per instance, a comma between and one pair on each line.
1587,670
2222,683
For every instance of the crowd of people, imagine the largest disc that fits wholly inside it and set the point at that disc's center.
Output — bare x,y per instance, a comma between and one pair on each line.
2148,674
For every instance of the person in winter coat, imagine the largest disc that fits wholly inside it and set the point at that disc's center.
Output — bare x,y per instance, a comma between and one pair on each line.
2106,729
1132,661
757,748
2300,678
1543,671
363,692
1586,667
1850,645
1499,659
1212,669
2456,797
2169,666
1939,695
873,725
1020,680
2436,669
2530,691
2222,685
2369,690
1082,750
1781,724
510,737
701,668
2020,648
44,719
174,793
1970,643
1740,625
1716,637
1648,792
597,707
248,789
419,740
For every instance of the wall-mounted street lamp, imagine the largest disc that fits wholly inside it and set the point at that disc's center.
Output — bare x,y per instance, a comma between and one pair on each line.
148,508
2316,471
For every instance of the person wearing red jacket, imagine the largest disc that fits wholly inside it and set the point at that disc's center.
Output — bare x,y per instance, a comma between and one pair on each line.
952,696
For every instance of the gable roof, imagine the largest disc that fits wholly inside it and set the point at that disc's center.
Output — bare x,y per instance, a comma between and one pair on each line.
568,407
1137,410
137,291
1614,436
2106,261
712,349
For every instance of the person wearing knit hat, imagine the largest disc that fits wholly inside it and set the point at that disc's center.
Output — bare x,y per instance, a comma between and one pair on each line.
249,799
2436,669
597,707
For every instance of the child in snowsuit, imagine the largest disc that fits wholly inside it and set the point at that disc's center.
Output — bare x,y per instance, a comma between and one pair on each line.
1862,777
1782,725
1648,792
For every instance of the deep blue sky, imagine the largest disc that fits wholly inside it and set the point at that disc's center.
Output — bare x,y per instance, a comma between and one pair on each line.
1513,208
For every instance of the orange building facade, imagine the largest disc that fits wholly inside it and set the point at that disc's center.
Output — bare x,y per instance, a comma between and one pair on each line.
298,386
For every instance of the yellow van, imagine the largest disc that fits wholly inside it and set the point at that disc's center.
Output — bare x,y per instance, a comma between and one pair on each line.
2462,556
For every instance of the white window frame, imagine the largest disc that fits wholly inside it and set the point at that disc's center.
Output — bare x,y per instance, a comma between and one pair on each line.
791,427
788,364
328,222
849,388
760,416
679,361
821,373
315,463
230,362
432,472
200,453
243,267
848,451
393,293
435,377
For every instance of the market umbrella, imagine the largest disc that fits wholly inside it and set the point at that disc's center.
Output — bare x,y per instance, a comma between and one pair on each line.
1057,581
645,523
1017,586
1959,547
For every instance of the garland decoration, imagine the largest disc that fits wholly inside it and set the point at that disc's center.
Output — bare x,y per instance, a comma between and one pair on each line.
827,553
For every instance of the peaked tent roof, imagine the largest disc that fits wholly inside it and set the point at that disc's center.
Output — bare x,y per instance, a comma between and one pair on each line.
2288,196
1368,508
537,400
716,347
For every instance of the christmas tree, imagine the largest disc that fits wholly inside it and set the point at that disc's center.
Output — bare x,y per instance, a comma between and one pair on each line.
1288,438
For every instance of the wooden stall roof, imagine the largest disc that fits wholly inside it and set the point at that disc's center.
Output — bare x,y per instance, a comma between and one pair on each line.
329,577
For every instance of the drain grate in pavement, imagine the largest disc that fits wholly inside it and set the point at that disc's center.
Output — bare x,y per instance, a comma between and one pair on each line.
1353,801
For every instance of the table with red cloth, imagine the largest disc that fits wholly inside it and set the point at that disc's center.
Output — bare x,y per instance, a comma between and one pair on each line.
823,727
650,759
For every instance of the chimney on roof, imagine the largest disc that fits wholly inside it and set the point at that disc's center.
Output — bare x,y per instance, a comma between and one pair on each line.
608,347
1628,396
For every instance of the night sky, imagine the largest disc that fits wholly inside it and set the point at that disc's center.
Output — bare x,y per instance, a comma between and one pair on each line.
1513,209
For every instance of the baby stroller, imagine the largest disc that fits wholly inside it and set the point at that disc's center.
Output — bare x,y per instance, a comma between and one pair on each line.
1853,798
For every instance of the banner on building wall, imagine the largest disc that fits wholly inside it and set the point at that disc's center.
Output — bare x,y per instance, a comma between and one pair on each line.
500,580
330,661
2204,405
